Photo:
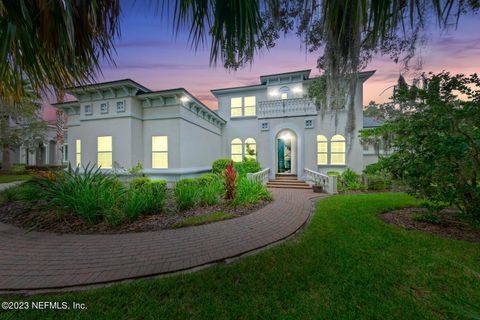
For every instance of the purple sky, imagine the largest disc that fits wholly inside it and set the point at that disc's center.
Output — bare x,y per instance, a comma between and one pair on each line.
148,53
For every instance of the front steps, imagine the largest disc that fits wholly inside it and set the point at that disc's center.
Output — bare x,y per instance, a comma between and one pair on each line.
287,182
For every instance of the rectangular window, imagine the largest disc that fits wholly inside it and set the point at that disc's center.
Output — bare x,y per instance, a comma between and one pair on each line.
160,152
65,152
309,124
88,109
104,108
120,106
104,149
284,95
236,107
322,150
337,152
78,153
264,126
250,106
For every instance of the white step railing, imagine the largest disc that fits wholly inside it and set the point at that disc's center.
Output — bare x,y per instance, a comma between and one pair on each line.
329,182
286,107
260,176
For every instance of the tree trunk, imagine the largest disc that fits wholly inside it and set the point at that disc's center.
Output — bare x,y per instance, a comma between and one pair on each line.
6,165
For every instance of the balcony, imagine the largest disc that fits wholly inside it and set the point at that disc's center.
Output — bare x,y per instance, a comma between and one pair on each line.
286,108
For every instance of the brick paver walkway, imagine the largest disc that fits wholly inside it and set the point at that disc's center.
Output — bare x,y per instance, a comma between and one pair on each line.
35,260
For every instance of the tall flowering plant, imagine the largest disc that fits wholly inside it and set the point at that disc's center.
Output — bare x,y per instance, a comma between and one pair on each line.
230,176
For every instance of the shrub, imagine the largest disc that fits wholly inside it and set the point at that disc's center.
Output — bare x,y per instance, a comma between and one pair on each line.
139,182
373,168
219,165
18,169
250,192
27,191
207,178
88,195
248,166
210,193
378,181
186,194
349,180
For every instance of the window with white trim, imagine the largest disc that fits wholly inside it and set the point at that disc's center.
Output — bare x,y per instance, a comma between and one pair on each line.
337,150
103,108
236,107
88,109
250,109
120,106
322,150
250,149
104,150
160,152
236,152
78,153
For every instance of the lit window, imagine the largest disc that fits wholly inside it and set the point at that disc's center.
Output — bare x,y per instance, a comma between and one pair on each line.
250,106
250,149
237,150
104,108
236,107
337,150
160,152
78,152
104,149
284,95
322,150
120,106
88,109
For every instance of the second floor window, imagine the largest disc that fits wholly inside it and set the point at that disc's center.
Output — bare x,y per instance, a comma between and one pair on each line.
104,108
120,106
88,109
243,106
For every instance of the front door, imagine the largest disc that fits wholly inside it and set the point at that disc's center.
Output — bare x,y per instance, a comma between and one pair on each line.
284,155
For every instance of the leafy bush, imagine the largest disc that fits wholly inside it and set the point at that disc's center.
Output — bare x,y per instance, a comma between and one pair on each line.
27,191
207,178
144,197
139,182
373,168
18,169
378,181
186,194
248,166
349,180
219,165
88,195
250,192
210,194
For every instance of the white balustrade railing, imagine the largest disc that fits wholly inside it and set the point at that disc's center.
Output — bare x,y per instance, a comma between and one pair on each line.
286,107
329,182
260,176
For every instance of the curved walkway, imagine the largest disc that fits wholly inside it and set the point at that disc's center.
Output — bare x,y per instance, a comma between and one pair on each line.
36,261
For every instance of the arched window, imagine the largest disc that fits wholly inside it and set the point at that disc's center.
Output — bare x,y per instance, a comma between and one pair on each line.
250,149
337,149
237,150
284,92
322,150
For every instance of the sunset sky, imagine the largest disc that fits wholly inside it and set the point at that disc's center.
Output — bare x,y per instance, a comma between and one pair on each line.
148,53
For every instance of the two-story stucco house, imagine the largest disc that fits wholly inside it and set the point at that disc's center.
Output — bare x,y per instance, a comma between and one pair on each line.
120,123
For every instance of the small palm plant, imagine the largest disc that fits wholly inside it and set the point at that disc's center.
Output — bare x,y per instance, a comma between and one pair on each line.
230,177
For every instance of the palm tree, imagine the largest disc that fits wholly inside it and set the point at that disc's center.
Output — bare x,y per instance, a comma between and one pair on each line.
54,43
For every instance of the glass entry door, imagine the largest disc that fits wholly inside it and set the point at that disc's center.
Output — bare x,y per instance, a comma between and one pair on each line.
284,155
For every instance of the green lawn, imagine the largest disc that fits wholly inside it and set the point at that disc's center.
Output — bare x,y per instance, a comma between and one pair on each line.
347,264
11,178
207,218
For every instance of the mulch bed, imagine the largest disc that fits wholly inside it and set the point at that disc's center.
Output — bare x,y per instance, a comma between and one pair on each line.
37,217
449,226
